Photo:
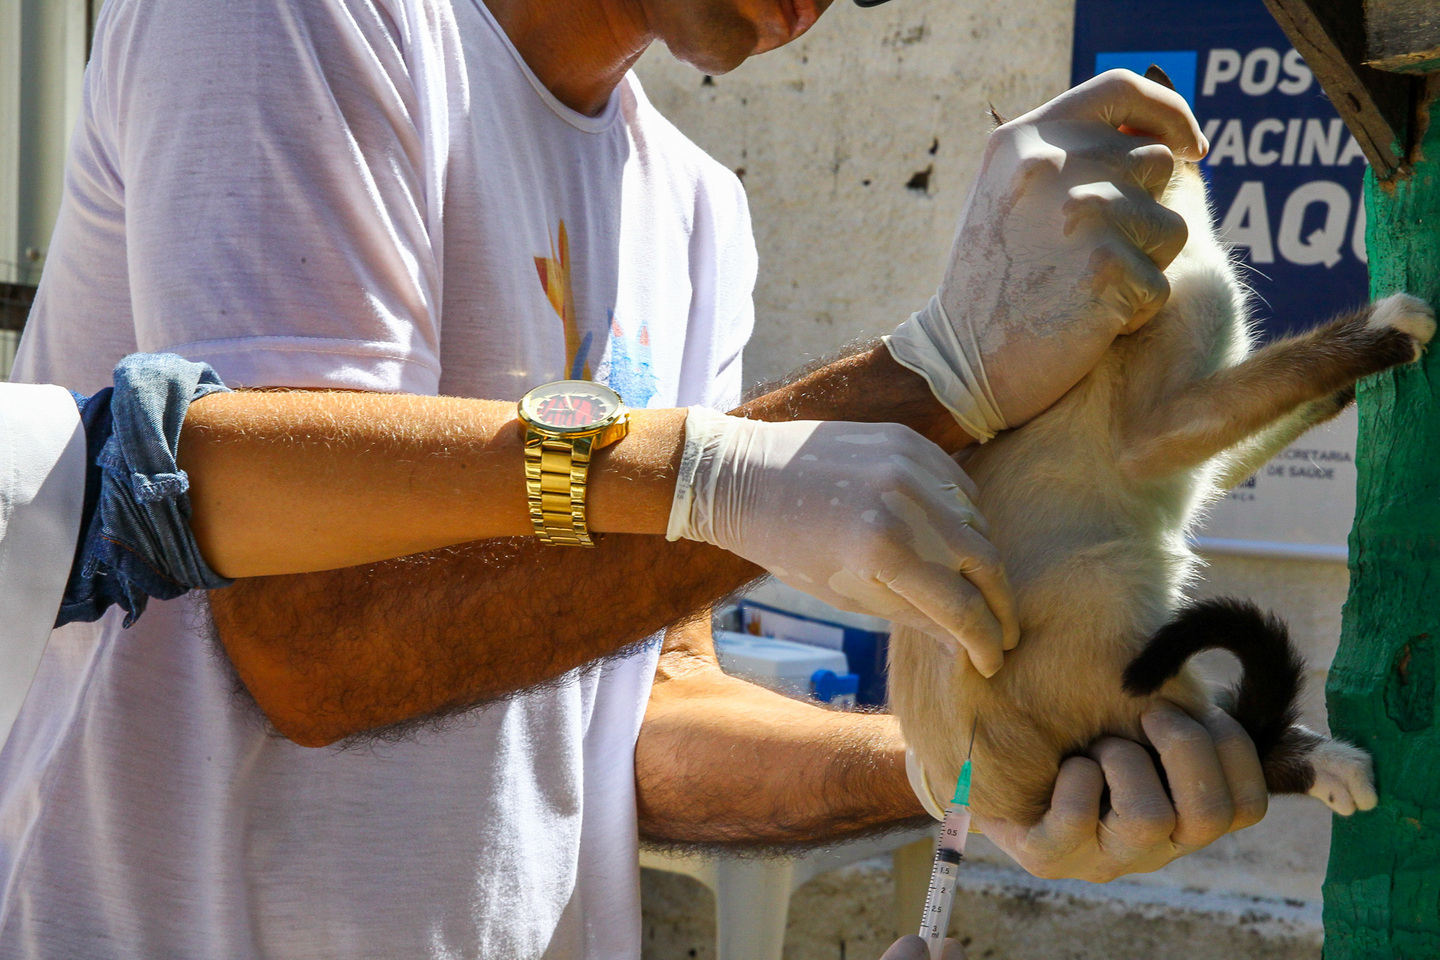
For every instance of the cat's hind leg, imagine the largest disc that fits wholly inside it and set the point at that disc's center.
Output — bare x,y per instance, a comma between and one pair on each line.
1339,775
1344,777
1220,411
1248,456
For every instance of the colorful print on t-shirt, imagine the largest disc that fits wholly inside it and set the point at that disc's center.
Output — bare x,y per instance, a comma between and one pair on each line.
554,273
625,367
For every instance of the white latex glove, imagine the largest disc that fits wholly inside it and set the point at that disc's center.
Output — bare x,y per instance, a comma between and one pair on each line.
869,517
1216,786
1060,248
920,783
913,948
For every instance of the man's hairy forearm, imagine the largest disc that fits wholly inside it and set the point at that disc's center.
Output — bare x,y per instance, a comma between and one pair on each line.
328,655
867,386
722,761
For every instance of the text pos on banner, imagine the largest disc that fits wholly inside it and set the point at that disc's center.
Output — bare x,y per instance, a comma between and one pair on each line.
1285,181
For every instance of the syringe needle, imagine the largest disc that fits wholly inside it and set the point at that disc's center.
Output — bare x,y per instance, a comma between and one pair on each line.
949,853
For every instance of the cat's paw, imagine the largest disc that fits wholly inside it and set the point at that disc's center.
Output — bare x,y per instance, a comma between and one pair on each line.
1409,315
1344,777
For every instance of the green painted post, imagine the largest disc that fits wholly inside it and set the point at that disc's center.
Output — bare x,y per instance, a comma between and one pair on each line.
1382,894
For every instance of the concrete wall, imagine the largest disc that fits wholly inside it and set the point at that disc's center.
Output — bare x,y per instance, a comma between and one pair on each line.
856,145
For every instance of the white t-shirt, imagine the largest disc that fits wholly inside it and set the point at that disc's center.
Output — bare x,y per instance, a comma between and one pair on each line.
372,194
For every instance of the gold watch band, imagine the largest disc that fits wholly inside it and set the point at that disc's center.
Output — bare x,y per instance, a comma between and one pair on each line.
555,475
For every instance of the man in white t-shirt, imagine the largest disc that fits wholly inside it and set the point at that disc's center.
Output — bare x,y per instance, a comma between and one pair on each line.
473,198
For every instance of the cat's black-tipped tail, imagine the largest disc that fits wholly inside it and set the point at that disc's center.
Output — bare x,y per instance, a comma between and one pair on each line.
1266,698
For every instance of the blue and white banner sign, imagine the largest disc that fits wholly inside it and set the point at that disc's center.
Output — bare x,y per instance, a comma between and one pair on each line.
1285,182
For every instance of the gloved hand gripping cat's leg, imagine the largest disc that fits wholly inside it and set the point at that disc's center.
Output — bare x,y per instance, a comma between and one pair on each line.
1060,248
870,517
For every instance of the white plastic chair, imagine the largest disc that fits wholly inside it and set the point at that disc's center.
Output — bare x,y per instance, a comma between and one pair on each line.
752,897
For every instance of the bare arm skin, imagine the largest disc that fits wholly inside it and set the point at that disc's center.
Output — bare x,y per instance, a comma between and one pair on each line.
723,761
328,655
364,477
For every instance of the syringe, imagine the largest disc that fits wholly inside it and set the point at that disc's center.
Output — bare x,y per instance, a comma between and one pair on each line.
949,852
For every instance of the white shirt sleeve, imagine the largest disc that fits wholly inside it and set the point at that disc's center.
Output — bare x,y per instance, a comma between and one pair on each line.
724,267
42,495
279,189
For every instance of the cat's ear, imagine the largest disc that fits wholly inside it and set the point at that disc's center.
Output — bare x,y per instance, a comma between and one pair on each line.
1156,75
997,117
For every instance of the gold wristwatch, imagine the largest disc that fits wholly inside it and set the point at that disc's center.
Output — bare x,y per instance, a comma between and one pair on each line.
565,422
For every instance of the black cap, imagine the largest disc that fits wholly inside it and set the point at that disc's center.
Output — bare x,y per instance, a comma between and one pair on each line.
869,3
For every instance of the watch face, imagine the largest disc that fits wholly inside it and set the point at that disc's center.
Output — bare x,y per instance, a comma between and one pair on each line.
570,405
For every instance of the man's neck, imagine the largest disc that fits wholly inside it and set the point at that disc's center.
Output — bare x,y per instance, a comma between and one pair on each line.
580,49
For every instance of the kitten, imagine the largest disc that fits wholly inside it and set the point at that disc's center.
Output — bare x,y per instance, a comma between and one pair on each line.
1089,505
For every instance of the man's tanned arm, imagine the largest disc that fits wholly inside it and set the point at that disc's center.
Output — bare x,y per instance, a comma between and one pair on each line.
328,655
723,761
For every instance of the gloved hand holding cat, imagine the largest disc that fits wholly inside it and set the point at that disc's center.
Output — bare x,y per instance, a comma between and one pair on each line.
1060,247
897,535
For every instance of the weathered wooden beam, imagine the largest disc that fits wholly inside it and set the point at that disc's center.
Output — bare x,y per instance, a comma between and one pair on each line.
1378,107
1403,36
